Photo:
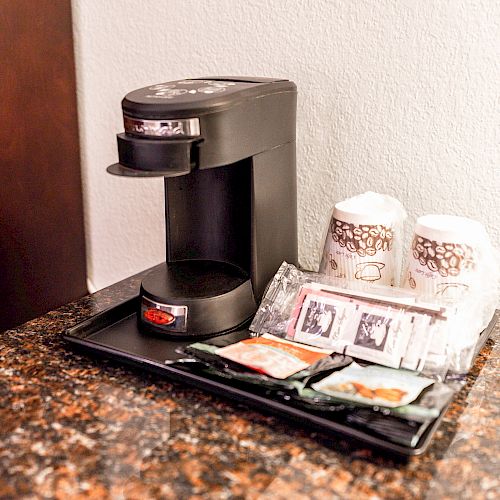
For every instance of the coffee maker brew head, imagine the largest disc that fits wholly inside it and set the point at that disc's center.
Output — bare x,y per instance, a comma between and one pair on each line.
175,127
226,149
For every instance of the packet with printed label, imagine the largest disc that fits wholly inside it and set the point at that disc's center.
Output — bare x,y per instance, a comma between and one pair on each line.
374,385
273,356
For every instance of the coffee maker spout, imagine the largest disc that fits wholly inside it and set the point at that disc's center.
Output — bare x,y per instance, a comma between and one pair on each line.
140,157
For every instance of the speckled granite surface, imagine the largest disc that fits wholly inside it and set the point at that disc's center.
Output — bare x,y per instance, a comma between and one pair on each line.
72,426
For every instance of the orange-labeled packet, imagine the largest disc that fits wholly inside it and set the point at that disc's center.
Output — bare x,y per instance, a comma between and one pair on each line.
273,356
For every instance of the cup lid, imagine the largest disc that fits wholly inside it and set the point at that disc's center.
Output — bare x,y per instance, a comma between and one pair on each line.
370,208
451,229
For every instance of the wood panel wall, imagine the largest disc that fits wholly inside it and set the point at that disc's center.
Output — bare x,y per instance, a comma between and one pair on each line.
42,247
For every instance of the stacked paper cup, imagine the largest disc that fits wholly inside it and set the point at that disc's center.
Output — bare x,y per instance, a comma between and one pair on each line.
364,240
445,255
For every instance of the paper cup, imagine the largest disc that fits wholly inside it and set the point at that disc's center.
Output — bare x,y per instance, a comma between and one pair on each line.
363,240
444,255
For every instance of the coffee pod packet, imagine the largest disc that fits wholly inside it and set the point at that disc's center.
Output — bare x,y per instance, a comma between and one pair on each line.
374,385
364,240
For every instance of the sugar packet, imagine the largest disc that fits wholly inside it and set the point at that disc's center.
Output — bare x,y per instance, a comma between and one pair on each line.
390,331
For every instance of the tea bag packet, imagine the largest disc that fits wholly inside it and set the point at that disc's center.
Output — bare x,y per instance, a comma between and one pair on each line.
364,240
381,329
273,356
374,385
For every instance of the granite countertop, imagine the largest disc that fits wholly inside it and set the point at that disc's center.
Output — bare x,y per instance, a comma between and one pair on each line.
74,426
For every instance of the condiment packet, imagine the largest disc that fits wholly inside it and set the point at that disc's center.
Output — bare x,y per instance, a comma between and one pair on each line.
386,330
273,356
374,385
202,354
423,330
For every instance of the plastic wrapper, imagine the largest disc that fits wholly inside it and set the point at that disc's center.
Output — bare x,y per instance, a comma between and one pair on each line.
385,325
407,433
382,325
426,407
298,387
364,240
273,356
468,317
203,354
404,424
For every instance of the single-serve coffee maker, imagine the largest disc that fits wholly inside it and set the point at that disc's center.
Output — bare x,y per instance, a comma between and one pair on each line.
226,148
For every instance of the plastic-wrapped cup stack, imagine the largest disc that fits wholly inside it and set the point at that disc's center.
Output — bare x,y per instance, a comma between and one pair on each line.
364,240
444,255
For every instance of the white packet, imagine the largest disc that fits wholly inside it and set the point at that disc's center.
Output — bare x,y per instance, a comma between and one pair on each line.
374,385
383,329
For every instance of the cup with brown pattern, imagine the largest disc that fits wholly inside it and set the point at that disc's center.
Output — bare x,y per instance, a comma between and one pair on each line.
444,255
360,245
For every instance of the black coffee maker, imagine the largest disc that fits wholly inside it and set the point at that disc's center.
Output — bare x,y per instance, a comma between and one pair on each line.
226,148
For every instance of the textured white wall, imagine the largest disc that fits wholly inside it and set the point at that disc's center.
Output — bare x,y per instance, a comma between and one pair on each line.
395,96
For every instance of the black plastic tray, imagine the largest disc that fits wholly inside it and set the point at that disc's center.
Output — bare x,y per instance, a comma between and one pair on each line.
115,333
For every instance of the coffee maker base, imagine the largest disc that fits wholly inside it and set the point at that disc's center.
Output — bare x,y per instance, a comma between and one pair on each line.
195,298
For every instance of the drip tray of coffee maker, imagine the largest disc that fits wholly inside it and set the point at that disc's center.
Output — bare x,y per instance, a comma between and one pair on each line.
117,331
194,279
195,298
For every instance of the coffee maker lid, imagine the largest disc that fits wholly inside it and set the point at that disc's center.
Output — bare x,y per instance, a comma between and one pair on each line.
198,96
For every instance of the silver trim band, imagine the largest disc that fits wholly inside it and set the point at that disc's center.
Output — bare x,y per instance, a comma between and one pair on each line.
179,313
162,128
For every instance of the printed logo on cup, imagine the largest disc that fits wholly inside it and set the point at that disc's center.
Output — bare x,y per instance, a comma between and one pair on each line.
363,240
361,251
444,262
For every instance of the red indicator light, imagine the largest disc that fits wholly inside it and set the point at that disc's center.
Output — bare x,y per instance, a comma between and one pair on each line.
158,317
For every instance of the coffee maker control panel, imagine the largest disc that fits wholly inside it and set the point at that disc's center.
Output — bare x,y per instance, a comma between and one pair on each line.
167,318
197,96
190,88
